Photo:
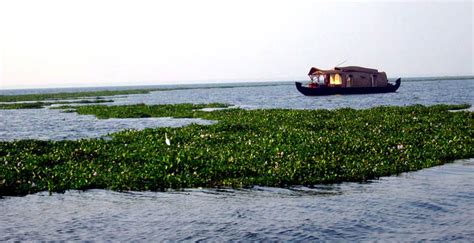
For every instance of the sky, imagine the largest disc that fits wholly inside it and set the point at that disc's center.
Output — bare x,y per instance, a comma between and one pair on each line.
62,43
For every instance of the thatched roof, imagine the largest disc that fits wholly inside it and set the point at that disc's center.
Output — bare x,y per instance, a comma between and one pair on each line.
356,69
315,70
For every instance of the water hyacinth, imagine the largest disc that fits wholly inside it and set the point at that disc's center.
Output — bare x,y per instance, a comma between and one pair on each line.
273,147
39,105
72,95
99,94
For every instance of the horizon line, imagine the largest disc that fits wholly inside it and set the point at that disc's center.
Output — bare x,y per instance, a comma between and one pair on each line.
203,82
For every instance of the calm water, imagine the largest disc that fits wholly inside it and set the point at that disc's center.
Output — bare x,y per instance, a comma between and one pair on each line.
431,204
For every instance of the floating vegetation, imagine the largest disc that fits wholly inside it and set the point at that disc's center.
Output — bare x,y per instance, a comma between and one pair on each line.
72,95
100,94
275,147
39,105
35,105
185,110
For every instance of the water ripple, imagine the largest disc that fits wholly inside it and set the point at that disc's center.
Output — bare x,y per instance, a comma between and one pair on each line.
52,124
436,207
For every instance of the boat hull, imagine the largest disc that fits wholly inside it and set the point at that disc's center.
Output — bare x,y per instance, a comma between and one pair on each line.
324,90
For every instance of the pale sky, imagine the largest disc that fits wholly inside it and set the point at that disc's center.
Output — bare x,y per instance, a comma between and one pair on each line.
110,42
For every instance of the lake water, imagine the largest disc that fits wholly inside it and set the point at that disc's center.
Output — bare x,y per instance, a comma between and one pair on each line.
54,124
431,204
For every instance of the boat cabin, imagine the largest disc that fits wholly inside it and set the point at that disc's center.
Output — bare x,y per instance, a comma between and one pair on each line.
347,77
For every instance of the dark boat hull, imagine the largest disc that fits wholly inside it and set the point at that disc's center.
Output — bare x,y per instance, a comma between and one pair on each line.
324,90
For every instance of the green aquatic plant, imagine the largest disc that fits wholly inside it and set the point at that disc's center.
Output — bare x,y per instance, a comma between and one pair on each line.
274,147
39,105
102,93
72,95
451,107
35,105
185,110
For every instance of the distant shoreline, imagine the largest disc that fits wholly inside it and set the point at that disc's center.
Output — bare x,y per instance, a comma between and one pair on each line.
223,84
436,78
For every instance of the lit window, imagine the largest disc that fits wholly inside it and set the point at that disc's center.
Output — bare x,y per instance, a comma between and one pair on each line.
335,79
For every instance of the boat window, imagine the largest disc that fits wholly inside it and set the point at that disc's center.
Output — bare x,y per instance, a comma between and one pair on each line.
335,79
320,78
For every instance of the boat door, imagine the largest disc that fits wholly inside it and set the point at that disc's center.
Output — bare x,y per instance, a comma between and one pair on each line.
349,80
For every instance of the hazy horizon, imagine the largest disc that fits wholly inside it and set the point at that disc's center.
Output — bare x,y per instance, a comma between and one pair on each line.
53,43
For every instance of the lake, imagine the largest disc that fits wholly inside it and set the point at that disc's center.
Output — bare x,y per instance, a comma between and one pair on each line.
54,124
431,204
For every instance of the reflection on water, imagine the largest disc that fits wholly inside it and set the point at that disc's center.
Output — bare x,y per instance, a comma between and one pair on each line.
431,204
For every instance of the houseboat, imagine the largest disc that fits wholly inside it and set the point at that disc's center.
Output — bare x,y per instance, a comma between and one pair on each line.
347,80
